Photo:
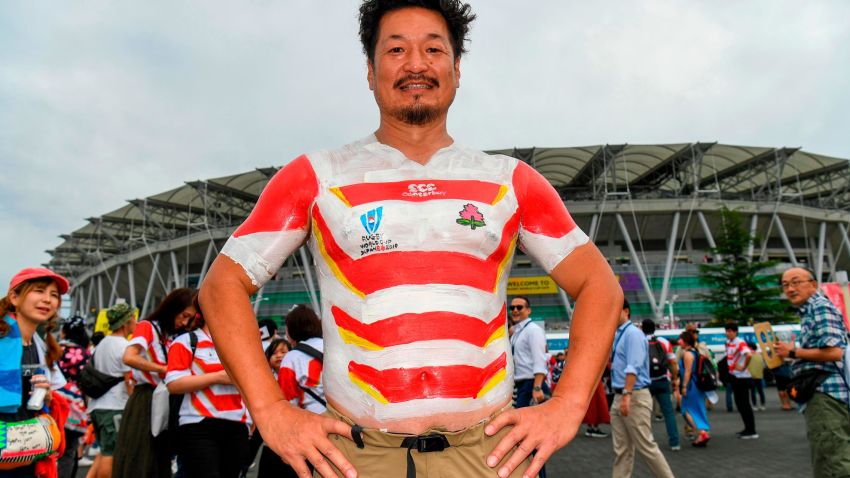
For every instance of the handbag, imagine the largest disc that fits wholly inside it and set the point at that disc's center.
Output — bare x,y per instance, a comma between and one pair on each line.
165,408
27,441
802,386
95,383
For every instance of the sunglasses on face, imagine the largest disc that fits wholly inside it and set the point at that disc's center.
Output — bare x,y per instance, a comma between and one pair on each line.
517,307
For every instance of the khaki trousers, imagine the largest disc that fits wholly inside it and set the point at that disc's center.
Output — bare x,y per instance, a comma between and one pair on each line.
383,456
634,432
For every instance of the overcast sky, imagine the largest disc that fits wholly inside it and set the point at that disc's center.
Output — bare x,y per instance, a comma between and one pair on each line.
104,101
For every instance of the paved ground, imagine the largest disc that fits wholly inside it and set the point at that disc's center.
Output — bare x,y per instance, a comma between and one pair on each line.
781,450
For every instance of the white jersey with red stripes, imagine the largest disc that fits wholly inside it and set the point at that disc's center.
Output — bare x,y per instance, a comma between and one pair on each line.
153,347
215,401
298,370
412,263
737,352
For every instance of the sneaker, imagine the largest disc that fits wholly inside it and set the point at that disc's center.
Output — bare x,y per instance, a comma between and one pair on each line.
748,436
762,408
675,448
658,418
85,461
595,433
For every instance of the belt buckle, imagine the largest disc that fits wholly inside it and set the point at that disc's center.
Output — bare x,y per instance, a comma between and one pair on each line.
429,443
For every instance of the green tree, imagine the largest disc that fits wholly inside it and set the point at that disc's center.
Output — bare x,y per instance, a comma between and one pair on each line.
741,291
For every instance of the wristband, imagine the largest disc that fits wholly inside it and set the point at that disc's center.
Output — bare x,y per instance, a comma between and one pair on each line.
792,353
537,389
627,392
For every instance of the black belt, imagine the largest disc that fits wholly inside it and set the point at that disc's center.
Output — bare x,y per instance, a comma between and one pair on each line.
423,444
619,391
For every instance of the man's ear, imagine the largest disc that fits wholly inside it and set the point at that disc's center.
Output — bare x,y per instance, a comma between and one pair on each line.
370,74
457,72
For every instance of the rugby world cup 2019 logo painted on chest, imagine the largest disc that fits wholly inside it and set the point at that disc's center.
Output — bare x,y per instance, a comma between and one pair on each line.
371,220
374,241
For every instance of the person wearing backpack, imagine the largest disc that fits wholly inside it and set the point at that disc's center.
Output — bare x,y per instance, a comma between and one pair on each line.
300,374
106,411
693,399
662,367
823,342
138,452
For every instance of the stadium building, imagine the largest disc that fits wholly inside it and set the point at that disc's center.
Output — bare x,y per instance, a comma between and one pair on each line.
652,210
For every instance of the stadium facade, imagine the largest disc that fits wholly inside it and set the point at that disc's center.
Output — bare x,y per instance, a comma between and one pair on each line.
651,209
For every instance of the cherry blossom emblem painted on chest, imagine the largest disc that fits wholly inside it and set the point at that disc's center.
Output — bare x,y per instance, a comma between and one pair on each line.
471,216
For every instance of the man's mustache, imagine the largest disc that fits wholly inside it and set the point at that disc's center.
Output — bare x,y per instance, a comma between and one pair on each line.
416,78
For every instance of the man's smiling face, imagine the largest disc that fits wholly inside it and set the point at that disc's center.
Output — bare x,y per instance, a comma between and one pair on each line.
798,285
415,73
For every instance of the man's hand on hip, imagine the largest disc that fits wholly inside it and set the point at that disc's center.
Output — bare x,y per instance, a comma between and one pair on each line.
297,436
534,428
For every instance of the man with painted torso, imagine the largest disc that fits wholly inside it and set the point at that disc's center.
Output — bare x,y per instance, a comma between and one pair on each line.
413,236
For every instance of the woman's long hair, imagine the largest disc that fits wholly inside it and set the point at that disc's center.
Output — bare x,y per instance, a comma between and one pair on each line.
54,351
167,311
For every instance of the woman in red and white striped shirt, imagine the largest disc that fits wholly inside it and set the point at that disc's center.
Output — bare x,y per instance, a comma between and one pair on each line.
213,431
138,453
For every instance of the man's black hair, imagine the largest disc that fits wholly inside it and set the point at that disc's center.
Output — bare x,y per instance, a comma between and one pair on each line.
626,305
648,326
302,323
731,326
522,297
458,16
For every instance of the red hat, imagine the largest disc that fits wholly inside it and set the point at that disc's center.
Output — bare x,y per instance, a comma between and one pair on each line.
39,273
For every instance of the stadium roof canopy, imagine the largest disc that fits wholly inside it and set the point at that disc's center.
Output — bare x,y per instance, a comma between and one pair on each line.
213,207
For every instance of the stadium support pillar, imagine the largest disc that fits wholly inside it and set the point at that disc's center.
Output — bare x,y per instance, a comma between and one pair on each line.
754,222
100,292
131,280
75,299
113,292
781,229
151,280
311,288
258,300
594,224
821,245
844,237
89,293
566,302
638,266
709,238
175,271
206,266
668,264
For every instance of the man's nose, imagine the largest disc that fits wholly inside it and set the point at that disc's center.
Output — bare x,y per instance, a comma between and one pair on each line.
416,61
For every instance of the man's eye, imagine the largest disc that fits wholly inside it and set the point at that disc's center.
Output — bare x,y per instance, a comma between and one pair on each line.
397,49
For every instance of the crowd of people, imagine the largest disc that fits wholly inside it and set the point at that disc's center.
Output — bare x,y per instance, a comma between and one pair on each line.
101,391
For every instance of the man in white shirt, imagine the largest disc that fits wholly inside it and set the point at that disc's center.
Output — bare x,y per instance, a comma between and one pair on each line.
528,345
106,410
529,350
738,356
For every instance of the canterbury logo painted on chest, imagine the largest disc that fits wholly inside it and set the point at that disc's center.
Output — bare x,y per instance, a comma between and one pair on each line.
419,190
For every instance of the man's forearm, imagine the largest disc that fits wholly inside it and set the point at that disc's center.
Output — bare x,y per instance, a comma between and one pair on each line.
631,379
826,354
226,306
538,379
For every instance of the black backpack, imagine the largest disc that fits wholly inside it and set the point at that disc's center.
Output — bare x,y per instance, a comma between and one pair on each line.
657,359
706,374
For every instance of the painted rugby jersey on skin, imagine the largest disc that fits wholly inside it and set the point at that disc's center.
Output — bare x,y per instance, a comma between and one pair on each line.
147,337
412,262
215,401
736,354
